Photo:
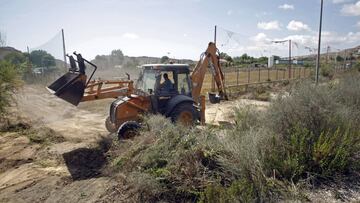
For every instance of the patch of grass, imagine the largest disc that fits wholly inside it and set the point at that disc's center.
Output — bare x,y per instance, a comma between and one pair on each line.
43,136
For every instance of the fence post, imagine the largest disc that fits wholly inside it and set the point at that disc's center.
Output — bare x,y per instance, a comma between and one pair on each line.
294,73
277,73
259,74
284,74
268,74
237,77
248,75
304,73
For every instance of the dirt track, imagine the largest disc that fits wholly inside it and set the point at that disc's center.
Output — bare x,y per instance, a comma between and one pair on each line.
31,172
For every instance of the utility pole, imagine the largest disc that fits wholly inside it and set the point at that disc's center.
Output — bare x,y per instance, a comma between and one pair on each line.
319,45
290,63
29,66
345,57
64,50
327,54
215,34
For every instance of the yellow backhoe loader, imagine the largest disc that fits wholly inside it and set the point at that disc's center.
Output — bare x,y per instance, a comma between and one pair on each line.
172,90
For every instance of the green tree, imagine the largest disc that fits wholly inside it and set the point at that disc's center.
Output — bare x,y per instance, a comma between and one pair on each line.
262,60
102,61
19,60
41,58
339,58
117,57
48,60
164,59
225,56
15,58
132,62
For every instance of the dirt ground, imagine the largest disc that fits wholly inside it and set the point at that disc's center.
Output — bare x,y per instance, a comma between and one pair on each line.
69,168
65,171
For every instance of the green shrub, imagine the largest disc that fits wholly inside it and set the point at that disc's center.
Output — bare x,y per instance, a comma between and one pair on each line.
335,152
357,66
327,70
326,155
247,117
313,128
177,158
238,191
307,106
9,83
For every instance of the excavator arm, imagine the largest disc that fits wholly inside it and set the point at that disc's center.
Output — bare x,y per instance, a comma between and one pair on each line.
208,59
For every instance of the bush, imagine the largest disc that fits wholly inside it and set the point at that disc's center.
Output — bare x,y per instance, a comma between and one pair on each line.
244,156
314,130
9,83
304,153
314,127
327,70
178,158
357,66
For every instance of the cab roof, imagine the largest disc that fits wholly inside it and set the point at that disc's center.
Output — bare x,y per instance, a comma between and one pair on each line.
167,67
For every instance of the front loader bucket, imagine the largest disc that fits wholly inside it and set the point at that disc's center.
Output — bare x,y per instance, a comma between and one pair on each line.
69,87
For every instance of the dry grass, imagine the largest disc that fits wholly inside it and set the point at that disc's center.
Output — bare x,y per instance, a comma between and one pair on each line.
262,157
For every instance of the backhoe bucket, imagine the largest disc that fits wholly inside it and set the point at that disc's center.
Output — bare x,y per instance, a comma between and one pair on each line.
213,98
69,87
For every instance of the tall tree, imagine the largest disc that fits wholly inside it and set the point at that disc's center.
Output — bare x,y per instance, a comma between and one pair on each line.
48,60
117,57
339,58
225,56
41,58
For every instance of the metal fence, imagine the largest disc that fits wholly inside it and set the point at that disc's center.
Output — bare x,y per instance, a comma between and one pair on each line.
236,77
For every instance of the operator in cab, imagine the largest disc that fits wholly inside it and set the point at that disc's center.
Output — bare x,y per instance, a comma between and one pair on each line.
167,85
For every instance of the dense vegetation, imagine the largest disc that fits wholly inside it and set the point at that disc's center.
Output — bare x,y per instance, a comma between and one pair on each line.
311,134
9,83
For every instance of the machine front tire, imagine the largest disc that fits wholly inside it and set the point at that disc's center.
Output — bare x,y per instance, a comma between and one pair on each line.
184,113
128,129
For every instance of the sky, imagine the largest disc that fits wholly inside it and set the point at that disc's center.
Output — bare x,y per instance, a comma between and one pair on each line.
180,28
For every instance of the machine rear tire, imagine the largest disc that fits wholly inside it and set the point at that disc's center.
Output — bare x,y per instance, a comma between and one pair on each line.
109,126
184,113
128,130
